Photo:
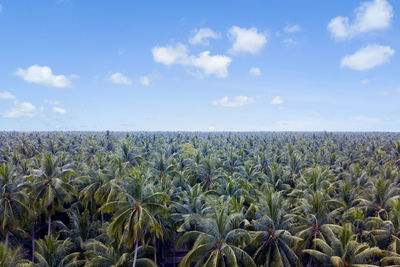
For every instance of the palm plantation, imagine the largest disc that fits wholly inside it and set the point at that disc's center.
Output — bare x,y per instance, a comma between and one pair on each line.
199,199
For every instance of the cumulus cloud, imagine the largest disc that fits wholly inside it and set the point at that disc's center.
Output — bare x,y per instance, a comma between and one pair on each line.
237,101
23,109
246,40
119,78
255,71
169,55
6,95
178,54
145,80
217,65
369,16
59,110
202,36
368,57
277,100
43,75
292,28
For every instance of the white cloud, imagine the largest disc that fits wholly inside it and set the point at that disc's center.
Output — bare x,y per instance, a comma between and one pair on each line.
217,65
43,75
292,28
368,57
202,35
59,110
255,71
398,90
178,54
119,78
52,102
23,109
121,51
246,40
6,95
1,8
237,101
145,80
277,100
369,16
169,55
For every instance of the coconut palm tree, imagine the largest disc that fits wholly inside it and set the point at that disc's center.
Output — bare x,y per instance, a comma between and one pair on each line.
51,251
218,241
12,257
273,243
376,198
343,251
98,187
50,186
98,253
134,211
315,218
12,202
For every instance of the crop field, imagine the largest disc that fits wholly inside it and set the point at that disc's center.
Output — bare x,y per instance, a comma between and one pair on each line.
199,199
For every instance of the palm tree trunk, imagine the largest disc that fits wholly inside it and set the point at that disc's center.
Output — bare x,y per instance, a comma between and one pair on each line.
155,252
134,258
33,242
49,225
173,257
7,233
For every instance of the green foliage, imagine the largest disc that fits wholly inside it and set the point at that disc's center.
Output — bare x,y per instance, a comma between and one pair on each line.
77,199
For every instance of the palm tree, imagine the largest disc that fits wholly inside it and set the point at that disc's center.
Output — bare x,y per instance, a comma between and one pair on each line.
277,177
273,242
315,218
162,165
392,254
343,251
218,241
376,198
250,172
98,188
50,186
50,251
111,254
12,202
388,233
127,155
295,164
346,198
315,179
12,257
134,211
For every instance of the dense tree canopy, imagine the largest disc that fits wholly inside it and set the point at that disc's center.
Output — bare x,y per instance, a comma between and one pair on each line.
199,199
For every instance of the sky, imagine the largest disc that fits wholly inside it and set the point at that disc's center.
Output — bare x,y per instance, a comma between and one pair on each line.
200,65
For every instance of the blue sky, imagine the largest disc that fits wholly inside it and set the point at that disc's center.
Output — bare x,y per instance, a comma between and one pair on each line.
200,65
